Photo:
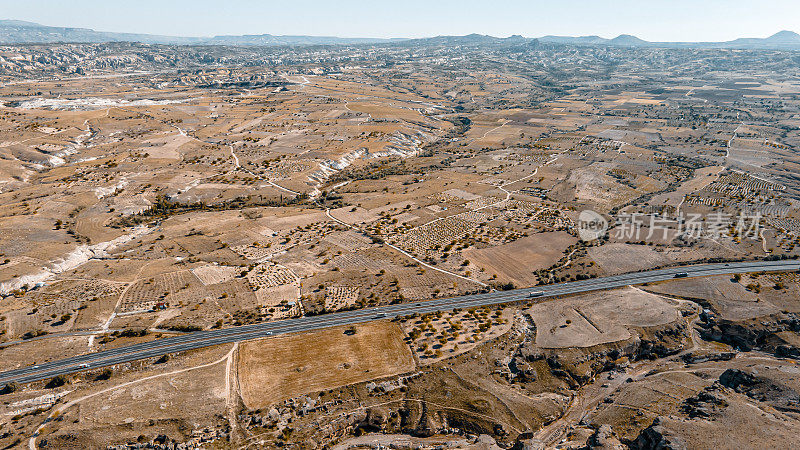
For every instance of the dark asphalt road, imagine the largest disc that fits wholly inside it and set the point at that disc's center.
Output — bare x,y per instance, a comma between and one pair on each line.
208,338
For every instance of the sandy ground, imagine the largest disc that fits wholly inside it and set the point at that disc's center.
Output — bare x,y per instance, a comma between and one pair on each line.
518,260
589,320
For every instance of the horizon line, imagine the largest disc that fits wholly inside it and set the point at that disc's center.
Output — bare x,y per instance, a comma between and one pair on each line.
389,38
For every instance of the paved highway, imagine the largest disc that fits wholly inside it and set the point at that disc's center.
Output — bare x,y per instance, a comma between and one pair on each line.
208,338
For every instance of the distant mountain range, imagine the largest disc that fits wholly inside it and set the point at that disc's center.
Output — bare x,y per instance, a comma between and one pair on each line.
784,40
20,32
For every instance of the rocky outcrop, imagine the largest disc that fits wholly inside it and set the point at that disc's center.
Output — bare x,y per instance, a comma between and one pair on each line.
578,366
657,437
760,334
701,357
377,418
604,439
706,404
762,389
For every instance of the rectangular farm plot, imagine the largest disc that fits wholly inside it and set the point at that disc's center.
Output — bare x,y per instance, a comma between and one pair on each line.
286,366
213,274
349,240
518,260
144,294
338,297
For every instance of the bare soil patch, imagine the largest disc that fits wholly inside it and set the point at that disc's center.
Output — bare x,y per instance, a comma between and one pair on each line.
596,319
616,258
518,260
730,299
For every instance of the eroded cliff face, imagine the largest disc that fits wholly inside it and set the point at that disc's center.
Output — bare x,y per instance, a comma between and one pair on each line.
778,334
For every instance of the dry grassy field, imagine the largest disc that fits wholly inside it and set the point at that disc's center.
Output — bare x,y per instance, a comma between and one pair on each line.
287,366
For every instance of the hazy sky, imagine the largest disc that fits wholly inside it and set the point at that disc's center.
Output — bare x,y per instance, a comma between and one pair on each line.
655,20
